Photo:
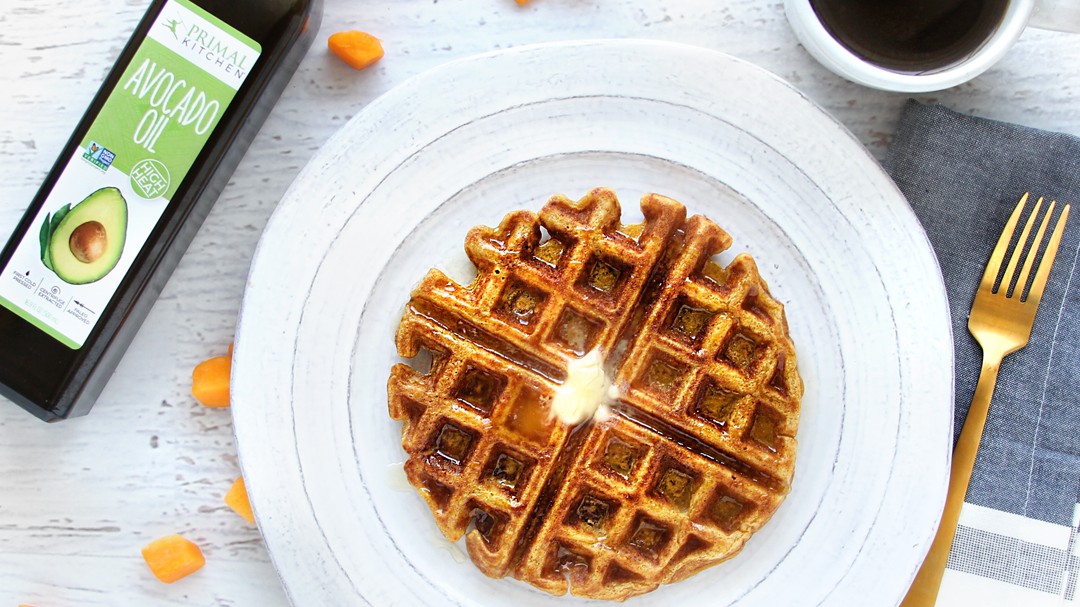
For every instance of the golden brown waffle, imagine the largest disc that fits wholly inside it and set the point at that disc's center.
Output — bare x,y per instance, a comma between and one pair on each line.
699,450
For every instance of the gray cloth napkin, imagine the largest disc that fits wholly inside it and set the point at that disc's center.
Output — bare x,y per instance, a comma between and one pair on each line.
963,176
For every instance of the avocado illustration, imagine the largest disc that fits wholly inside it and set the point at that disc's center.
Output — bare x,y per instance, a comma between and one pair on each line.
82,243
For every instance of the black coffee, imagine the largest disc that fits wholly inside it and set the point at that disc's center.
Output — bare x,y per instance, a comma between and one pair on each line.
914,36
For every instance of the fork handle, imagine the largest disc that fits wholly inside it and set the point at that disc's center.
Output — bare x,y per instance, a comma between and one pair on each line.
924,590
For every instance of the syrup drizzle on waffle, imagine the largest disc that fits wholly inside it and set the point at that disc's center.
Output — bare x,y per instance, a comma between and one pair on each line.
700,451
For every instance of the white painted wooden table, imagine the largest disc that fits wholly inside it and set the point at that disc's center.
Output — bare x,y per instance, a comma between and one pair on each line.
80,498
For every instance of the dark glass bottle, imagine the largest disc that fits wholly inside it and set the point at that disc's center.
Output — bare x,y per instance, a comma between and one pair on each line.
66,319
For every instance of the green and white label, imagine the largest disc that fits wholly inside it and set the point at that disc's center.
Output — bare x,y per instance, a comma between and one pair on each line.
119,181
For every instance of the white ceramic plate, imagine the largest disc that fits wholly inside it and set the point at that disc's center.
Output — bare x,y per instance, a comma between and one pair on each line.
396,191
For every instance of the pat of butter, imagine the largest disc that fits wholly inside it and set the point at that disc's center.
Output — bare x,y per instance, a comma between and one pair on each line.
585,392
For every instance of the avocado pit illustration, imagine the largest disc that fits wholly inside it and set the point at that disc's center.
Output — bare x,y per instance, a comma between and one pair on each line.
89,242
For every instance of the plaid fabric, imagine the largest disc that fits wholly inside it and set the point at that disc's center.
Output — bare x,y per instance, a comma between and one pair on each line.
963,175
1002,559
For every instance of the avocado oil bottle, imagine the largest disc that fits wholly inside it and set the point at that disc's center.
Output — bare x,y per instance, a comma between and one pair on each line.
132,186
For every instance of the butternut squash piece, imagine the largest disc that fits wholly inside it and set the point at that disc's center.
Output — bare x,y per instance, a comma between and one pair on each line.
237,499
358,49
210,381
173,557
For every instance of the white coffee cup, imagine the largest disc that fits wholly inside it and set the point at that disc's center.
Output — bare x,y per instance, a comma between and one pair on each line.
1061,15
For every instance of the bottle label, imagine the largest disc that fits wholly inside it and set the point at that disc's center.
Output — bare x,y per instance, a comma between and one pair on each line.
121,177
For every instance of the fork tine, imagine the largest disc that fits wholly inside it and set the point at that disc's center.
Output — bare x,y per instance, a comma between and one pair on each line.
1014,259
1043,272
1021,283
993,267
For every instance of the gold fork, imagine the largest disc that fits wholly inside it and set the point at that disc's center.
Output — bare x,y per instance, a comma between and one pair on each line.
1001,322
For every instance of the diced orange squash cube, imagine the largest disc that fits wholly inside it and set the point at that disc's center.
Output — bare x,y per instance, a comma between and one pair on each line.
210,381
173,557
237,499
358,49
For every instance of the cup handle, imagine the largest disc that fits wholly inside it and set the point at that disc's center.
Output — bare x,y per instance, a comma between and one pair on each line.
1057,15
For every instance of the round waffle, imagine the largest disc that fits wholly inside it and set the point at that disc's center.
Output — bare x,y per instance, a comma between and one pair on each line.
698,450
